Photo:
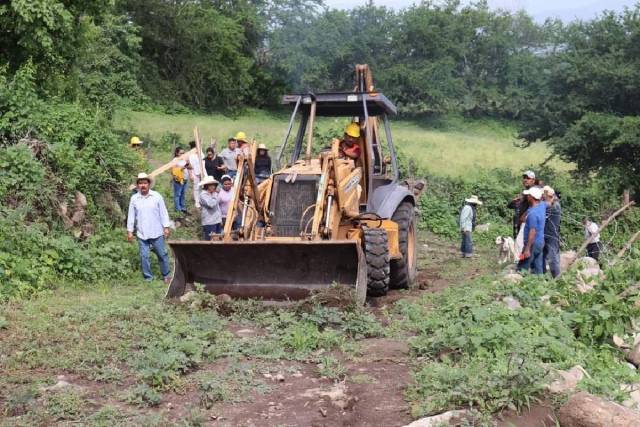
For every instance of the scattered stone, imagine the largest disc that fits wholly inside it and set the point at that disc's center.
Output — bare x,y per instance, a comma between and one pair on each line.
634,395
423,286
268,376
514,277
631,366
60,377
568,381
196,304
272,403
188,296
57,386
586,410
297,375
323,412
634,355
169,405
619,342
223,298
511,303
246,332
434,421
279,378
337,394
350,402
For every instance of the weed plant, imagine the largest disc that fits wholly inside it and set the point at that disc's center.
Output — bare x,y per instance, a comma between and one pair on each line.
475,351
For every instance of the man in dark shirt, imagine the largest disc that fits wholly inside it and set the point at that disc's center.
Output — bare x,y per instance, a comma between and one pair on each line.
551,253
214,165
520,203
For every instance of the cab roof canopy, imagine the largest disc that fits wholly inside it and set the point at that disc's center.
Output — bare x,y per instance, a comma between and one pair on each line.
343,104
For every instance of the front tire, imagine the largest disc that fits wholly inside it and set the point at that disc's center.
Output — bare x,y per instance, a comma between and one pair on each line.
404,270
376,250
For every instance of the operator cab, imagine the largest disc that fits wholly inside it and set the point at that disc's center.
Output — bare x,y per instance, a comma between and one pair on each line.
369,109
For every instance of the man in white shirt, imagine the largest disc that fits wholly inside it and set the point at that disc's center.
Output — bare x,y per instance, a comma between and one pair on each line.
148,213
591,229
195,173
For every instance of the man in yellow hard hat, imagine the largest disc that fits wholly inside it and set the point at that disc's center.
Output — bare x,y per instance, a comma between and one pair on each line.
243,144
136,145
349,149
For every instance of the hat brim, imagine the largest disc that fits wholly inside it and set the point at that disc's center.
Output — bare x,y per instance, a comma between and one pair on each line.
475,202
205,183
152,181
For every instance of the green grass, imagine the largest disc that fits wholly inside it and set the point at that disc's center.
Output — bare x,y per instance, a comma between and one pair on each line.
441,152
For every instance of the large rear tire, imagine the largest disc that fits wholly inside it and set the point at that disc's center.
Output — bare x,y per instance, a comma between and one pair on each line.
376,250
404,270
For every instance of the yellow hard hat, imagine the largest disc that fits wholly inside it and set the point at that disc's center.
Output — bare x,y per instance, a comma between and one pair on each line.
353,129
135,141
241,136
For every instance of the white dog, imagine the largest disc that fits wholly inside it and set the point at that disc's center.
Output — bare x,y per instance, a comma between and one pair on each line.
507,248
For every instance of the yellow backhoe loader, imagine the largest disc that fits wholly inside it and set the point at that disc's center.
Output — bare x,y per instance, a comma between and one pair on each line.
320,219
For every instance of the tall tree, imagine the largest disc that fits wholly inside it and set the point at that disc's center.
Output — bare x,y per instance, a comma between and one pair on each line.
588,105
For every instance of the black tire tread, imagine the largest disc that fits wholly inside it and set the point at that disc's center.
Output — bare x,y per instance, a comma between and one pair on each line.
400,274
376,250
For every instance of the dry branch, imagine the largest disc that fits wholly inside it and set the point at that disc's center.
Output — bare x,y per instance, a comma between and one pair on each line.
629,291
628,245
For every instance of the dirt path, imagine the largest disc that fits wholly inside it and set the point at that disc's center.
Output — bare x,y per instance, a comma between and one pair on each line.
371,390
360,384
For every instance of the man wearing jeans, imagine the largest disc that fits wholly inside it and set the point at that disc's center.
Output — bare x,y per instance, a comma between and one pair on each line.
551,253
467,222
531,258
148,213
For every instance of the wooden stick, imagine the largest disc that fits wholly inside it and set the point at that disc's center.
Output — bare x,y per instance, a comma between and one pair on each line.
196,135
605,223
167,166
629,291
626,247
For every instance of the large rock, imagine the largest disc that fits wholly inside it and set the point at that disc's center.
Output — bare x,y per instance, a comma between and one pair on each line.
634,356
567,381
634,395
587,262
565,259
586,410
435,421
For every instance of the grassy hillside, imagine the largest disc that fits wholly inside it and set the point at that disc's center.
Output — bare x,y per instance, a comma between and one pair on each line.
440,152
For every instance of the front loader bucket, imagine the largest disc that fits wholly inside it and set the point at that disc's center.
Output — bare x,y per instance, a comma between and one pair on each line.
269,270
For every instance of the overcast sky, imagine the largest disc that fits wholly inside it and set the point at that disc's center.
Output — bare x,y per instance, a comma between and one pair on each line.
541,9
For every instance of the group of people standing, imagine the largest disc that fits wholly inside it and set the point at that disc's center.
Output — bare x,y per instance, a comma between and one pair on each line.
536,227
212,191
215,166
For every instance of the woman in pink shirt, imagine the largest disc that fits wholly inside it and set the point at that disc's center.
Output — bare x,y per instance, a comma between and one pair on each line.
224,199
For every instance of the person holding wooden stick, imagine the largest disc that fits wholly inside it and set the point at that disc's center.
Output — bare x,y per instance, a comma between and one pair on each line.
195,173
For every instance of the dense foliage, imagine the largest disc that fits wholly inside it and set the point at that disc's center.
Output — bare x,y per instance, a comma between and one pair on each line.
66,66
